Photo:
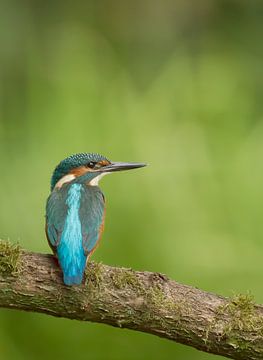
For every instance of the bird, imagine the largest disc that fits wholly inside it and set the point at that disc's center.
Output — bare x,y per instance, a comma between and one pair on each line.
75,210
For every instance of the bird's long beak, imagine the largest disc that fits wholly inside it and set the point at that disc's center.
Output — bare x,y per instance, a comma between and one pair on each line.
119,166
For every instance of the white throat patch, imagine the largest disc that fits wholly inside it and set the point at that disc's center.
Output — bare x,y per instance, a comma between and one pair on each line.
65,179
95,181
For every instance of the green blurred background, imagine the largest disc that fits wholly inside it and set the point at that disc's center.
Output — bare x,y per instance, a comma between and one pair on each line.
177,84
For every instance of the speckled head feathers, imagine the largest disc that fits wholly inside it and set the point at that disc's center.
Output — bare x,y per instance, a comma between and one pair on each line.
72,162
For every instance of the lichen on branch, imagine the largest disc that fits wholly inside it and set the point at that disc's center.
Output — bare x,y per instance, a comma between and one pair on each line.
138,300
9,257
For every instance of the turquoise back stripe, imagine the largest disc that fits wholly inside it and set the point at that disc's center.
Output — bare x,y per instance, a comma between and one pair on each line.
70,250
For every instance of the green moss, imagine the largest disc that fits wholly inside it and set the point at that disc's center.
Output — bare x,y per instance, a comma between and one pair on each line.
237,314
241,303
241,313
157,297
160,301
160,308
94,274
123,278
9,257
238,343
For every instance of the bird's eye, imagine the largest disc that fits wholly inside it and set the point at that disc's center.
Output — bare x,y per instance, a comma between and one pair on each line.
91,164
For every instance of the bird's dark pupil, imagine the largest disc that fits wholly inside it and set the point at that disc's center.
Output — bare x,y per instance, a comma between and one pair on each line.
91,164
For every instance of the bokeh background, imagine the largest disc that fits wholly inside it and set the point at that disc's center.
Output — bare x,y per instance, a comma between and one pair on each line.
177,84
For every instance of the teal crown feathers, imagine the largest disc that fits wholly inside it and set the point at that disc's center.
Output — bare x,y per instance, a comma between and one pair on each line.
71,162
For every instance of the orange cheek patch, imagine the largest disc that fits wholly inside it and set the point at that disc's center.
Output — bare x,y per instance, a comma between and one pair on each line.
104,162
79,171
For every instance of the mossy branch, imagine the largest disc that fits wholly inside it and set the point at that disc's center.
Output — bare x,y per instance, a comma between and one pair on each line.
138,300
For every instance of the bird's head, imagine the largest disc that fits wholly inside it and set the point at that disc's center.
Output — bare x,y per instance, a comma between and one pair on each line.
87,167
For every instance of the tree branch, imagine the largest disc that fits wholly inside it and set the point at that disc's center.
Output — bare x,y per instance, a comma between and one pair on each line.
138,300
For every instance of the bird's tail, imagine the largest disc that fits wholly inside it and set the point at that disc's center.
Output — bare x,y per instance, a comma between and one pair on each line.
73,279
72,264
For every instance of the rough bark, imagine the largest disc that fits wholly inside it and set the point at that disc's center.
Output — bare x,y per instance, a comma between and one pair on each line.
138,300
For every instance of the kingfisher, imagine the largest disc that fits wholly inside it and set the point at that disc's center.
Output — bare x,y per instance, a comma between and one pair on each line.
75,210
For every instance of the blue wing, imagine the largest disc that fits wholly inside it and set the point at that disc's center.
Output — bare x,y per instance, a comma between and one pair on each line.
92,210
56,212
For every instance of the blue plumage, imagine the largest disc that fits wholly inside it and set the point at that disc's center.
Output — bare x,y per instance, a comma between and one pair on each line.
74,218
70,250
75,211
